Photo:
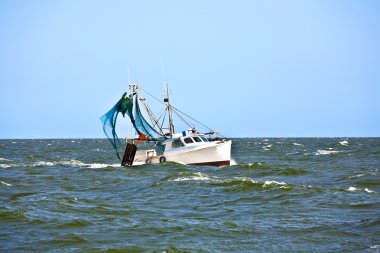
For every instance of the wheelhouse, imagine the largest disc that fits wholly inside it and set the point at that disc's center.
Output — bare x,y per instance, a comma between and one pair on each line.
186,141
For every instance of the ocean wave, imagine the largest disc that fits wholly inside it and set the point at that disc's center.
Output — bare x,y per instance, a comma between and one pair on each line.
293,171
5,163
267,147
297,144
368,182
67,239
364,174
368,190
282,170
355,189
344,143
367,223
257,165
22,194
4,183
223,181
244,183
352,189
12,215
198,176
273,183
77,163
326,152
77,223
65,163
357,176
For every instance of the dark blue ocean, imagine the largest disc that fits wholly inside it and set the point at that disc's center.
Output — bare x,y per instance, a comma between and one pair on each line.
283,195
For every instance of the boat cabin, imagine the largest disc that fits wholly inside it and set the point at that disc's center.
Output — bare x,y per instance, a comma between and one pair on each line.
186,141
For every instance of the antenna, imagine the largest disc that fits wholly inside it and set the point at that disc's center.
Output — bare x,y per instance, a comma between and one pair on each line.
166,99
162,69
129,75
166,94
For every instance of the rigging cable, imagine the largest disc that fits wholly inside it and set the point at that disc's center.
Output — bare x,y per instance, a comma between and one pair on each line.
179,111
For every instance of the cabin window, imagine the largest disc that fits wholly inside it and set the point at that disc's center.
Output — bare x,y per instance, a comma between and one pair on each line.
204,139
188,140
197,139
177,143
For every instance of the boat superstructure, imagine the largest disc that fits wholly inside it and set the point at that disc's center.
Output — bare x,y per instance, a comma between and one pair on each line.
197,149
157,141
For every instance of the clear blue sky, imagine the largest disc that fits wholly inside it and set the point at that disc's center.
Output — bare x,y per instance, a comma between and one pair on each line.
248,68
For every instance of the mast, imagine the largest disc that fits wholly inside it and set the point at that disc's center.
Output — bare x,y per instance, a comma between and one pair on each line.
169,109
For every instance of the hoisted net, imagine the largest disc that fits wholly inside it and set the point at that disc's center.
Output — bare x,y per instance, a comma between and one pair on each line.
123,106
143,128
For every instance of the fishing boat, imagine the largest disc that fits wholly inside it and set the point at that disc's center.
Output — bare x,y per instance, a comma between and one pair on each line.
156,140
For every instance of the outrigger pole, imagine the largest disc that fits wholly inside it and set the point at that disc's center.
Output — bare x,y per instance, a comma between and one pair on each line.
169,109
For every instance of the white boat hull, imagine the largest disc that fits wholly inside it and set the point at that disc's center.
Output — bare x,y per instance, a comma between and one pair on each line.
213,153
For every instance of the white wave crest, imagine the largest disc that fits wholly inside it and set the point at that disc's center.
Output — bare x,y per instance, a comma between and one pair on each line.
297,144
102,165
271,183
201,177
75,163
326,152
267,147
5,160
44,163
369,191
4,183
198,176
358,175
344,143
352,189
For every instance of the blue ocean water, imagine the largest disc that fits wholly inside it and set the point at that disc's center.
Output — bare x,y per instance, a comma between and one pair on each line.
283,195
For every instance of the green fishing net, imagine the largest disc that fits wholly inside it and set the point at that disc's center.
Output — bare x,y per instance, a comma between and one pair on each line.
123,106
